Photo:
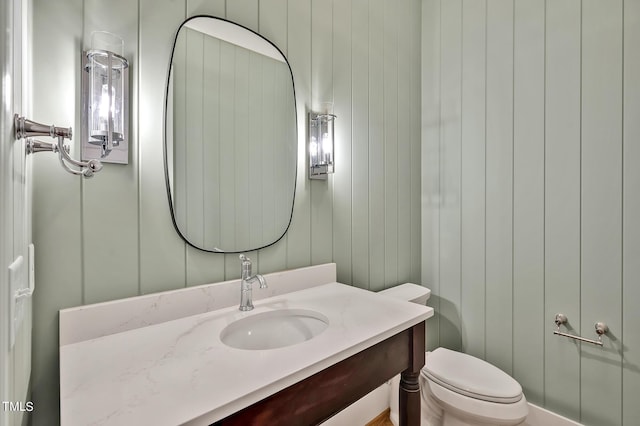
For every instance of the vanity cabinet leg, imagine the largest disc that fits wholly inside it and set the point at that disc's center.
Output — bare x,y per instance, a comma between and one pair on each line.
409,404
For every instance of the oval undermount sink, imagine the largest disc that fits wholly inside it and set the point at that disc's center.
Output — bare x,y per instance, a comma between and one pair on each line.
274,329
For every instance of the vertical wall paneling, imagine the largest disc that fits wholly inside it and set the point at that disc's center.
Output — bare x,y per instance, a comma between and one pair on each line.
430,161
601,207
415,16
356,61
342,107
562,204
405,143
215,8
360,136
528,197
57,224
350,52
321,92
273,26
162,252
630,213
548,183
273,22
103,221
376,145
244,12
450,170
392,144
299,56
472,180
499,181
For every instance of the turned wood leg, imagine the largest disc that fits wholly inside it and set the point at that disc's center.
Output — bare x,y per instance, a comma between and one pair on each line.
409,404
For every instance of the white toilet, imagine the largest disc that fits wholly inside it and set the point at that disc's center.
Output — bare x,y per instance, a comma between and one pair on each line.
459,389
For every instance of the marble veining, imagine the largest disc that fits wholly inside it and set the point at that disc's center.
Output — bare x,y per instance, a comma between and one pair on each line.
179,372
101,319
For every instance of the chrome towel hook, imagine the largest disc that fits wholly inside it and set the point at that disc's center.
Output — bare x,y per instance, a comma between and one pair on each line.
27,129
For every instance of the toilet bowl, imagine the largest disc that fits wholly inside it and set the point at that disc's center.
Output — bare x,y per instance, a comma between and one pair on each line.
458,389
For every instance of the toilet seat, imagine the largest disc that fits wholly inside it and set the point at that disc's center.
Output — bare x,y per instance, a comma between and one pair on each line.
472,377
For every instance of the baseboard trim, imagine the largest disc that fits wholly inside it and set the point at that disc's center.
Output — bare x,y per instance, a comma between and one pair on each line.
539,416
363,412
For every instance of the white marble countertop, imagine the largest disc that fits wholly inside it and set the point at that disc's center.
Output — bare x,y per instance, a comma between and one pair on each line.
179,372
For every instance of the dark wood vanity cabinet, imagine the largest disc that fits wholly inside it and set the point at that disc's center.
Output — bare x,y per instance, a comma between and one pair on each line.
329,391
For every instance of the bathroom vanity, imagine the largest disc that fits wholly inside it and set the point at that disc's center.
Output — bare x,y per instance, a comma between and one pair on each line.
179,371
325,393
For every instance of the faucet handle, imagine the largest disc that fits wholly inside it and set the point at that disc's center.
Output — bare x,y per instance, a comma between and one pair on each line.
246,262
245,268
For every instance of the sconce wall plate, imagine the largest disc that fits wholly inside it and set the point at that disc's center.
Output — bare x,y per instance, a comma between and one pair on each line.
105,107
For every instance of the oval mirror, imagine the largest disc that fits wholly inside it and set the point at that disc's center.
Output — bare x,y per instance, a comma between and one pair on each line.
230,137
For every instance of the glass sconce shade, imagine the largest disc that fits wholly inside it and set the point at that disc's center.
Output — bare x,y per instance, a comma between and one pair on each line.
106,94
321,145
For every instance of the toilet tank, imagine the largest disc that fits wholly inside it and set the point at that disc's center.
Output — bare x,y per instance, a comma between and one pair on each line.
409,292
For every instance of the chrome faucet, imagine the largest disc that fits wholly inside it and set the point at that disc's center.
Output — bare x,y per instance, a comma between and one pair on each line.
246,297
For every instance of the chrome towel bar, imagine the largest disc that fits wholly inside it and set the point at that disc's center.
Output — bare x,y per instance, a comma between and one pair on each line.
601,328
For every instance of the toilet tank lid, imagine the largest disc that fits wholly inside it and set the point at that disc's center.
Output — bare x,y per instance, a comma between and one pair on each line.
471,376
409,292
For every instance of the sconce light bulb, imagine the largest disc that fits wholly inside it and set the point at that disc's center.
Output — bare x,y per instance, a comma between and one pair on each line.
313,150
105,105
327,146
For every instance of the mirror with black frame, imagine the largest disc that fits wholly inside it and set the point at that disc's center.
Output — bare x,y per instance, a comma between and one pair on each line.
230,137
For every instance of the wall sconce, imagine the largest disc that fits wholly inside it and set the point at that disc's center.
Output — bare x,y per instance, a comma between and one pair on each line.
105,95
321,144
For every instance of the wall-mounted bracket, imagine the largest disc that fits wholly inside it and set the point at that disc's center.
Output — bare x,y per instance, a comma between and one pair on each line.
27,129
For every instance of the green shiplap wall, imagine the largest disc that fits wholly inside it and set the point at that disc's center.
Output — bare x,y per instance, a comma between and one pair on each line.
530,193
112,237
